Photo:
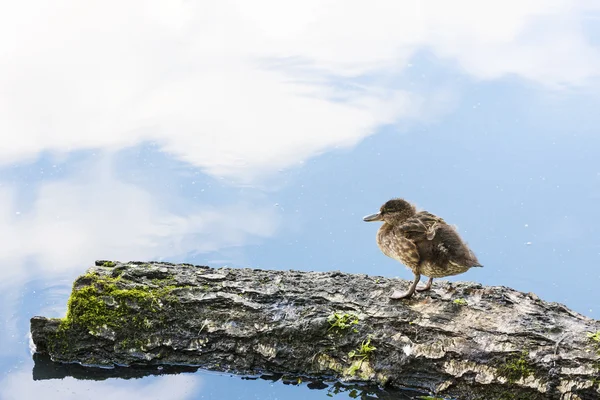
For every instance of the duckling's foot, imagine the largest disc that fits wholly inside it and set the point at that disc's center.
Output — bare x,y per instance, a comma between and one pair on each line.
426,287
411,290
399,295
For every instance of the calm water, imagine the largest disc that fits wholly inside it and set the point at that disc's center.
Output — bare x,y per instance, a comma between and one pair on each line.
257,134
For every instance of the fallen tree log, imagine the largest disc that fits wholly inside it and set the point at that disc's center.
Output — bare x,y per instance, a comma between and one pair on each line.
461,339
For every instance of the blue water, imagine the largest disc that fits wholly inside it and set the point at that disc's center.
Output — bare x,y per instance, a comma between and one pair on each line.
260,135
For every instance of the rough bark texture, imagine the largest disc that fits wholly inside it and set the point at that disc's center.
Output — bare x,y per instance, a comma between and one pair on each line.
460,339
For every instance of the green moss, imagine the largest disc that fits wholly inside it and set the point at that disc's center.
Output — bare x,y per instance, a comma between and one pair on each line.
102,303
341,322
364,350
516,366
109,264
362,353
460,302
353,369
163,281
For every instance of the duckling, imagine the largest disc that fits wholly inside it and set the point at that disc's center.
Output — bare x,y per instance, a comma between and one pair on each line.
423,242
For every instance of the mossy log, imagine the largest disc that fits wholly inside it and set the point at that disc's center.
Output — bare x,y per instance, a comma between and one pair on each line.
460,339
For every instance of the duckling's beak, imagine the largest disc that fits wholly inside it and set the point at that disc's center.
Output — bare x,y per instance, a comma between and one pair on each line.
373,217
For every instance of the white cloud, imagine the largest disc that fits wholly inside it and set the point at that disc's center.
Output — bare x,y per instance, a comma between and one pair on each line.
177,387
95,216
198,76
535,39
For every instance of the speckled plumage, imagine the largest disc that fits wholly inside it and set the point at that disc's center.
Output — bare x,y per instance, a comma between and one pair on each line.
423,242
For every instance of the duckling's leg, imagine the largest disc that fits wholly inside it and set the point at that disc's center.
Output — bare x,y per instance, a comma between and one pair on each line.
411,290
426,287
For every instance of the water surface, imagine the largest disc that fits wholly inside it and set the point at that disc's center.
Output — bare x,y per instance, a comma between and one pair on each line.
258,135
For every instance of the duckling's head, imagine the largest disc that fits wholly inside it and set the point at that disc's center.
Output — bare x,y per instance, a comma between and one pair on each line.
393,212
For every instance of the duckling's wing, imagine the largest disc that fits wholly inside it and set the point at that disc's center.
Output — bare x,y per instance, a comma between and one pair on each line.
423,223
427,216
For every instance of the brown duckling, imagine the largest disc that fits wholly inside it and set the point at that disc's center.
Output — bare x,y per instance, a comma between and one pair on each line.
423,242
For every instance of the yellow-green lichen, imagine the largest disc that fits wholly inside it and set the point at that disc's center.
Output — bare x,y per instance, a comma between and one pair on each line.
264,280
327,362
516,366
130,343
109,264
460,302
594,337
340,322
291,380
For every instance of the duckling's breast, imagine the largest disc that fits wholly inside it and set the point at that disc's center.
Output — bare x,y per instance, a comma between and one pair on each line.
397,247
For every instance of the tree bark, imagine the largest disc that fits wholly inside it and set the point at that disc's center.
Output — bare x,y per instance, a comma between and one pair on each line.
460,339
